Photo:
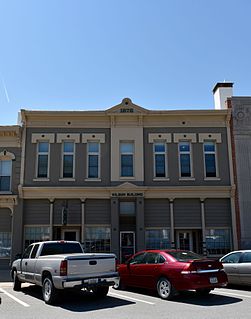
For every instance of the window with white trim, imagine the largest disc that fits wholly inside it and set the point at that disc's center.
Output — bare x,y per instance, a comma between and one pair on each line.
5,175
210,159
126,159
68,159
160,159
185,159
43,159
93,159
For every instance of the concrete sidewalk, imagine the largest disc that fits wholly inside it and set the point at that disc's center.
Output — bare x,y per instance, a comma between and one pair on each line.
5,276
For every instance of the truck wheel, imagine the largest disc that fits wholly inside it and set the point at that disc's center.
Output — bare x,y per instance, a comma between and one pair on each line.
100,292
16,282
165,289
49,291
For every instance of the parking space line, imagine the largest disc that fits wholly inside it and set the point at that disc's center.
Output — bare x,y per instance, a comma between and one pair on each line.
233,294
14,298
130,298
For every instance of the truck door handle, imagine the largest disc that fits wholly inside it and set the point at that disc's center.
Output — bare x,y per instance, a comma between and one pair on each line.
92,262
26,263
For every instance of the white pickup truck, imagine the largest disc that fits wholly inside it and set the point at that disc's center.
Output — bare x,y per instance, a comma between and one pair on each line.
58,265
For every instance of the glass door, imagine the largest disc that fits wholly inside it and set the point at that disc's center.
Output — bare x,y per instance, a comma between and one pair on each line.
127,244
184,240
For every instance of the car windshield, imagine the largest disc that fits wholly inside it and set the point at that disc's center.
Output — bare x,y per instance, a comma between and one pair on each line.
184,255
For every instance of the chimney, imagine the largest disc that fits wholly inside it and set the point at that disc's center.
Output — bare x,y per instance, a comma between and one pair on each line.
222,91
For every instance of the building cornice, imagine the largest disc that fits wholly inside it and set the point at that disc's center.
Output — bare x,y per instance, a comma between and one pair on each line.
130,190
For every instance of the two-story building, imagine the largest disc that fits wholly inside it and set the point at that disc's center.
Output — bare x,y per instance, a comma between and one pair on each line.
129,178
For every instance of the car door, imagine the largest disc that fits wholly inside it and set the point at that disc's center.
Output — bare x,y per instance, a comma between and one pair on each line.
231,266
150,269
245,269
24,263
134,270
30,264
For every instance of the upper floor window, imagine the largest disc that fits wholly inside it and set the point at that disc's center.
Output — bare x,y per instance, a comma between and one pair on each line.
160,159
126,159
93,159
185,159
210,159
5,175
68,159
43,160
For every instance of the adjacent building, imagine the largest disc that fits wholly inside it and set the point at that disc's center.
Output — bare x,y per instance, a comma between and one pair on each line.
121,180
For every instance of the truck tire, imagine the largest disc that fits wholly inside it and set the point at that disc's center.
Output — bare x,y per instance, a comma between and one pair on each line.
100,292
50,293
16,282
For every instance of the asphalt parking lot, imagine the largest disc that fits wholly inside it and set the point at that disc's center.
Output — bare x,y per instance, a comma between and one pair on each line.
28,304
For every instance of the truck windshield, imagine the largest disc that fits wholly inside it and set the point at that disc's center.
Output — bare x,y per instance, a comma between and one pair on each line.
61,248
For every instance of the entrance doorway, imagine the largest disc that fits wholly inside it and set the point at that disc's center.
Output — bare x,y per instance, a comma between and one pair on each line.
127,244
70,234
184,239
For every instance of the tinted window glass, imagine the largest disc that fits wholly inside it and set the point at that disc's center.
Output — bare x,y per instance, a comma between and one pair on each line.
247,258
27,252
34,251
60,248
138,259
232,258
151,258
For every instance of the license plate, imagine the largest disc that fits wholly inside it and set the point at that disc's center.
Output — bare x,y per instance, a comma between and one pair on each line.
213,280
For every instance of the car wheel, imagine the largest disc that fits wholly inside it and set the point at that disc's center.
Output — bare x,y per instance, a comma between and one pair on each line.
49,291
203,292
165,289
100,292
16,282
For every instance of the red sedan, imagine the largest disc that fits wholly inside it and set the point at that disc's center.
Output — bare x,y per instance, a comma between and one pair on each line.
171,271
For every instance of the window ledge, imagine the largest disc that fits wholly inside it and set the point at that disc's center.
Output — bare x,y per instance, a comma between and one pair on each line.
186,179
159,179
67,180
41,179
5,193
93,180
212,179
126,178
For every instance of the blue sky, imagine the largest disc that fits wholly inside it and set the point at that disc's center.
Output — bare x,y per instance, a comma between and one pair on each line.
89,55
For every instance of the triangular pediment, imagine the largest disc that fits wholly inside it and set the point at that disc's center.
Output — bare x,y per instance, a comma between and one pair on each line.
127,107
126,185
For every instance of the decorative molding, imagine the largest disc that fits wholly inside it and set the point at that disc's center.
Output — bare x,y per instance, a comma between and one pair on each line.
210,136
36,137
68,136
5,156
93,137
177,137
166,137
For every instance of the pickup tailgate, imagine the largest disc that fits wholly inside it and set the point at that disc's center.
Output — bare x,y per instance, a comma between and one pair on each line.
91,265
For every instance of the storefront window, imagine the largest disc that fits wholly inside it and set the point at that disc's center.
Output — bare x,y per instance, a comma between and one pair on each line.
5,244
35,234
218,241
158,238
97,239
